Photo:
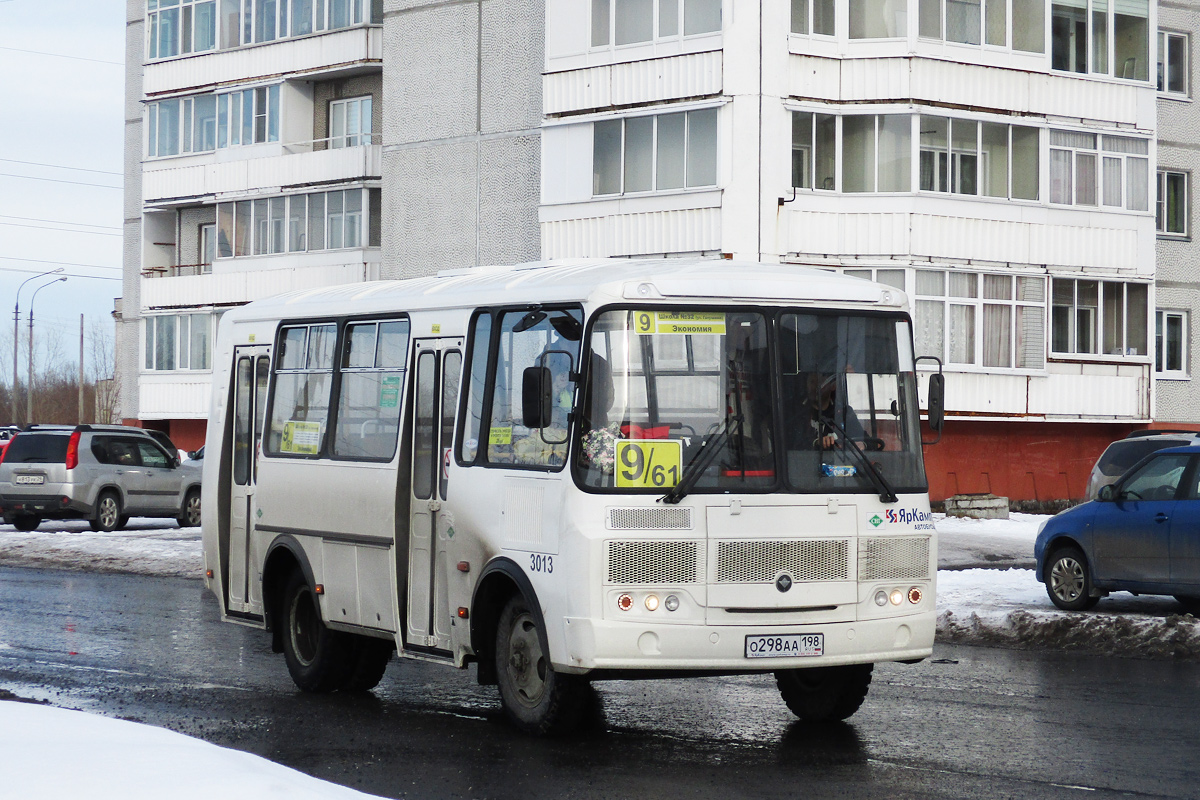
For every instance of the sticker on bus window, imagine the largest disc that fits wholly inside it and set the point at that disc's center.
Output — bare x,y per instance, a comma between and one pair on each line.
648,463
500,435
678,322
389,392
303,438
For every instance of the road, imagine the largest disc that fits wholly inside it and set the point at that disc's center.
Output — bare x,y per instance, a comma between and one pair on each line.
972,722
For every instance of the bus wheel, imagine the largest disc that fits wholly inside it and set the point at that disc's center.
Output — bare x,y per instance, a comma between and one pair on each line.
824,694
317,657
536,699
368,663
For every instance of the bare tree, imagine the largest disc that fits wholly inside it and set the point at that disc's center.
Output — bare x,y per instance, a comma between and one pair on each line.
103,372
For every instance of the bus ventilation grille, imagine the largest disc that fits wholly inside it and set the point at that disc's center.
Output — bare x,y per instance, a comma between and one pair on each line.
898,558
674,518
653,562
802,559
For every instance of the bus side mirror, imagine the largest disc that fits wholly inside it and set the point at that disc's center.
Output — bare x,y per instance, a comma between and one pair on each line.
536,405
937,401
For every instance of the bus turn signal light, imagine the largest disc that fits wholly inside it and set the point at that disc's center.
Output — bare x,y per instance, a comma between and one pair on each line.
625,602
462,612
464,566
915,595
319,588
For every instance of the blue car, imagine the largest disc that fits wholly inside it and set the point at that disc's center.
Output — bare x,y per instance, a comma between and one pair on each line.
1141,535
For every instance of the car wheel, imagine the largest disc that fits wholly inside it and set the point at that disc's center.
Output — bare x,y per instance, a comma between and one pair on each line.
318,658
1067,580
107,516
368,663
189,514
1191,604
26,522
824,694
535,698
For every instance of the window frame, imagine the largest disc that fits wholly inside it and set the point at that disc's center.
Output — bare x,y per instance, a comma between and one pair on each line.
1162,205
598,9
1164,39
341,370
653,146
325,446
1098,331
359,138
1161,318
229,110
184,24
279,241
185,331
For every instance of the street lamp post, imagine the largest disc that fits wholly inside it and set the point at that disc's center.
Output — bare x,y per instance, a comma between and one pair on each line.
16,329
29,388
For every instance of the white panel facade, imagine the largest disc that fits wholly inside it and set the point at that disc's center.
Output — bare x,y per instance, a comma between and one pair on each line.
174,397
695,75
226,288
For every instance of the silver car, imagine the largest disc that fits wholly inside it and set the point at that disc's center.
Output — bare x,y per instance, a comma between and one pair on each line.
1124,453
102,473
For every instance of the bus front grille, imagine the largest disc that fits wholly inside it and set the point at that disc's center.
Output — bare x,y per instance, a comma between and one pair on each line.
893,558
803,559
651,562
670,518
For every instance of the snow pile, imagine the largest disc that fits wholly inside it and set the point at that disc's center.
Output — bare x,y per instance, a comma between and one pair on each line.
48,753
145,547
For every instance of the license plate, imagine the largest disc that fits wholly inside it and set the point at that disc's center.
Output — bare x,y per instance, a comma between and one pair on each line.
786,645
29,480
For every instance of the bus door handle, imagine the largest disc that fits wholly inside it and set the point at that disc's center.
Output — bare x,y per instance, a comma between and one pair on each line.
435,505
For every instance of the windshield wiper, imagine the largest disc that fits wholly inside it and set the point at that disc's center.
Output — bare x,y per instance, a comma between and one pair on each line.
886,493
709,448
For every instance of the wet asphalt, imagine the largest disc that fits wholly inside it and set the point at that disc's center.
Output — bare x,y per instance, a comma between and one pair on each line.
971,722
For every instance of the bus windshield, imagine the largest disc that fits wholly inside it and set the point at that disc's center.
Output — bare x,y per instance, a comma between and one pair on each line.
724,400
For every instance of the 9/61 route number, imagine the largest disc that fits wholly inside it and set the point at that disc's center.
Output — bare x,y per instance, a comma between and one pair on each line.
648,463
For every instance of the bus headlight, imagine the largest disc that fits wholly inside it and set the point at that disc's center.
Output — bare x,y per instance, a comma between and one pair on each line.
881,598
671,603
651,602
897,597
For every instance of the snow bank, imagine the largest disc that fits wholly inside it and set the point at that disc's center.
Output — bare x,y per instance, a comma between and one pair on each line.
48,753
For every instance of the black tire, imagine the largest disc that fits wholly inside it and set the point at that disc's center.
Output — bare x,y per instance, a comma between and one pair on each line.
369,661
824,694
123,522
107,516
535,698
1191,604
26,522
318,658
1068,580
189,512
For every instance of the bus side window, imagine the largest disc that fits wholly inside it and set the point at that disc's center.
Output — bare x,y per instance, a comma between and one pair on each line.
303,378
477,359
539,338
372,372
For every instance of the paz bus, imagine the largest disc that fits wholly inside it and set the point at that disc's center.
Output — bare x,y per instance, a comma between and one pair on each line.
571,471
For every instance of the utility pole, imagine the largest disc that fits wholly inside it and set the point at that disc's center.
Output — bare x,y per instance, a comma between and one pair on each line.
16,331
79,417
29,388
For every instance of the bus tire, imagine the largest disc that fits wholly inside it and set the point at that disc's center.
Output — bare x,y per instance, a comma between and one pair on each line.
824,694
536,699
317,657
369,662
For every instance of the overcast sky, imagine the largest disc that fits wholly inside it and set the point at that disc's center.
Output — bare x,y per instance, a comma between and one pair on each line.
61,128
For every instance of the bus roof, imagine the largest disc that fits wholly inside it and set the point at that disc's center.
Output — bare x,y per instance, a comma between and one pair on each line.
583,280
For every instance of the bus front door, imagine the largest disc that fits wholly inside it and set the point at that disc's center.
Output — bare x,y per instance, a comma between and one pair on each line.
438,364
250,372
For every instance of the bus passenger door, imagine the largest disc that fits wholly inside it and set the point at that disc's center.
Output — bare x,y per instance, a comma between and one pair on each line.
438,364
250,373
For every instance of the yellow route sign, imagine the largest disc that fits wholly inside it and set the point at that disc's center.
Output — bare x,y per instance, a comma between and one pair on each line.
648,463
678,322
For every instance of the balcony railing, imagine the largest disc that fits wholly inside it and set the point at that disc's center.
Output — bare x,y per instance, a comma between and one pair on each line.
177,270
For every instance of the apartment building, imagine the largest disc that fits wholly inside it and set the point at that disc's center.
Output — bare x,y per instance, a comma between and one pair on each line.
1177,285
990,157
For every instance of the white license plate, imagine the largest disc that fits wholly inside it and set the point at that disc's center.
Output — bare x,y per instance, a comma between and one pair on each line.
785,645
29,480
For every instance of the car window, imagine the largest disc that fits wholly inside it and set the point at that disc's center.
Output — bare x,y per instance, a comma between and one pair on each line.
152,456
37,448
1157,479
1122,455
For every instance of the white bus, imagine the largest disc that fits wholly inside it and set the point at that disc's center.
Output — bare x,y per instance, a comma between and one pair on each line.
575,471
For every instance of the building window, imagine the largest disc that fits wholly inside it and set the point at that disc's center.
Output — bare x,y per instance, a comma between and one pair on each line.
178,27
1092,317
210,121
1125,171
1170,344
297,223
350,122
878,19
813,17
1171,207
1101,37
965,21
1078,170
659,153
208,247
1173,63
876,153
178,342
626,22
981,319
979,158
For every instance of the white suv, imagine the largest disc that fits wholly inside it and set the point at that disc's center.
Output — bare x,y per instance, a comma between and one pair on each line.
102,473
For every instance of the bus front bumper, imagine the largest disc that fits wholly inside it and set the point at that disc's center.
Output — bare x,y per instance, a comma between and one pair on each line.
593,644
